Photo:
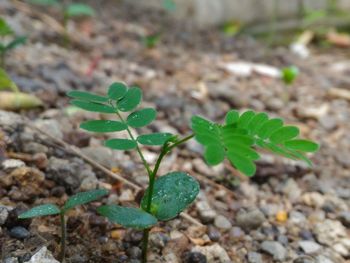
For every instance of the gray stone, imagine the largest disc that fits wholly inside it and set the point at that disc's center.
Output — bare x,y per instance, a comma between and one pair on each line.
100,154
4,213
275,249
50,126
323,259
254,257
292,190
213,253
344,217
222,222
250,219
309,247
11,260
296,217
19,232
63,172
304,259
34,147
206,213
42,256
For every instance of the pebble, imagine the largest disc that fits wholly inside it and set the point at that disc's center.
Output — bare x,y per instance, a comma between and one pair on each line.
344,217
51,126
4,213
313,199
309,247
206,213
304,259
296,217
323,259
236,232
292,190
254,257
42,256
11,260
100,154
275,249
213,253
213,234
250,219
195,257
34,147
134,252
19,232
63,172
11,164
222,222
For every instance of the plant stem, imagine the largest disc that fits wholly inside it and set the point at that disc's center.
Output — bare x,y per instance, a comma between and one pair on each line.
63,238
2,60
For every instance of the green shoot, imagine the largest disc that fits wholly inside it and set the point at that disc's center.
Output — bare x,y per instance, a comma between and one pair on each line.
289,74
51,209
14,41
151,41
167,196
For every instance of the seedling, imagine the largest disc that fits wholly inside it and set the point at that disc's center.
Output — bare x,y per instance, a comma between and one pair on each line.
289,74
151,41
5,46
69,12
168,195
51,209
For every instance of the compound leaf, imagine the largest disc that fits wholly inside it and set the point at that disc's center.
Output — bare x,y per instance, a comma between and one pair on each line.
84,198
242,163
141,118
131,99
172,194
269,127
232,117
127,216
16,42
214,154
103,126
86,96
41,210
120,144
91,106
154,138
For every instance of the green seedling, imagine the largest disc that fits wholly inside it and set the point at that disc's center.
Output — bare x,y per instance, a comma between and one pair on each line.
231,28
6,33
69,12
151,41
289,74
169,5
51,209
167,196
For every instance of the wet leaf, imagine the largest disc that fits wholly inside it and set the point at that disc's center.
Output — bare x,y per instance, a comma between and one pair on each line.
172,194
141,118
301,145
91,106
127,216
41,210
154,138
131,99
117,90
120,144
84,198
86,96
103,126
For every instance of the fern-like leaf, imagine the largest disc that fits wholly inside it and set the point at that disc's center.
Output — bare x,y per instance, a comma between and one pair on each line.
241,134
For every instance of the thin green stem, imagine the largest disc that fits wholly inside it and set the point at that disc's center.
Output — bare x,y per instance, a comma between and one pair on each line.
63,238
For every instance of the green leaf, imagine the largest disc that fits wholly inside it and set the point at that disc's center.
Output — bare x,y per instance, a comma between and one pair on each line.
152,40
16,42
44,2
301,145
283,134
256,122
84,198
6,82
269,127
154,138
41,210
127,216
245,118
117,90
5,29
91,106
172,193
86,96
289,74
214,154
103,126
120,144
242,163
131,99
141,118
232,117
78,9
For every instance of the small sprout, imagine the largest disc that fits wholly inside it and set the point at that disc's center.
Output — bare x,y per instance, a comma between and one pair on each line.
167,196
289,74
231,28
78,10
151,41
169,5
51,209
14,41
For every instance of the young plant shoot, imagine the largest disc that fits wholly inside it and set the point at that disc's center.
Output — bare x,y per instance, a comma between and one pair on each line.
8,41
167,196
51,209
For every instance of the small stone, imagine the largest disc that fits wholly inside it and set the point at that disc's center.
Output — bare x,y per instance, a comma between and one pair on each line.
295,217
275,249
222,222
158,240
254,257
213,253
100,154
304,259
11,260
206,213
323,259
4,213
134,252
19,232
292,190
11,164
34,147
309,247
250,219
213,234
281,216
117,234
42,256
51,126
195,257
236,232
126,196
313,199
344,217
